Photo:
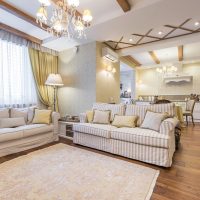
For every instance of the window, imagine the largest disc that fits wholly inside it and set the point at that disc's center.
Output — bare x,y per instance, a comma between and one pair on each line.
17,88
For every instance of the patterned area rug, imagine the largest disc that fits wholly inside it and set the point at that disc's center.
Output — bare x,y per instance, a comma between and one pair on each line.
62,172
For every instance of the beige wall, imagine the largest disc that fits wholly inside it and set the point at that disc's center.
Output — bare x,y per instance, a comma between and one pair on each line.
78,71
107,85
85,79
152,83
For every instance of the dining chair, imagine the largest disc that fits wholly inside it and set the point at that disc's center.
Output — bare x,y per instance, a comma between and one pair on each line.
189,110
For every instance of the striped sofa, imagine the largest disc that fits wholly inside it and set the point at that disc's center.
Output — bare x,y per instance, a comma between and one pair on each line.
135,143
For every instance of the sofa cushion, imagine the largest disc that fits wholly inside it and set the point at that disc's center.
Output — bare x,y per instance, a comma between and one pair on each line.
101,117
124,121
12,122
153,120
7,134
34,129
140,110
101,130
19,112
116,109
42,116
141,136
4,112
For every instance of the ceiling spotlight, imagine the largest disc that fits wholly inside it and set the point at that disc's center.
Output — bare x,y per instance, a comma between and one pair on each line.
196,23
160,33
131,40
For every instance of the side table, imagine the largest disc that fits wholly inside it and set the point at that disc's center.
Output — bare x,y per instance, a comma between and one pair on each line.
66,129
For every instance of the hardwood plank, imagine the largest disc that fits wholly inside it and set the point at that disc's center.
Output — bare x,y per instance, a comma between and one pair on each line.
154,57
180,182
20,33
124,4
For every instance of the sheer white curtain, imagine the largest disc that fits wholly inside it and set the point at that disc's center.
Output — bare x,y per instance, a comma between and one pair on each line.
17,88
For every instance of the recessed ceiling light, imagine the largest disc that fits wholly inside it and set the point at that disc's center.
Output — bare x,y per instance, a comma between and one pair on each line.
196,23
131,40
160,33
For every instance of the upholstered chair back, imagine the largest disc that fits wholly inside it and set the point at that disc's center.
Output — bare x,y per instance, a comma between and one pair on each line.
140,110
190,105
118,109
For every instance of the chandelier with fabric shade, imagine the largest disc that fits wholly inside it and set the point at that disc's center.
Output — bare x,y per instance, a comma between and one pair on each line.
65,20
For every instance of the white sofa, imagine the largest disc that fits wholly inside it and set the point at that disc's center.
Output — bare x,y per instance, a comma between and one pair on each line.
135,143
13,140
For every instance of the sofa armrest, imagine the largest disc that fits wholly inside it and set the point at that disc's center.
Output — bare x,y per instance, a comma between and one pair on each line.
168,126
55,117
83,118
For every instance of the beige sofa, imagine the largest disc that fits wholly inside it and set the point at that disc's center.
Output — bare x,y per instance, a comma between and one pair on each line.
136,143
13,140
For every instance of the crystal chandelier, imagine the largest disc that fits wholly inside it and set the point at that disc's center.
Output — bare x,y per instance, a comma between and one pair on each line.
167,70
65,20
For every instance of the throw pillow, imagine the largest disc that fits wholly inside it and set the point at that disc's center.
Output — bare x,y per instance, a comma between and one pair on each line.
124,121
4,113
90,115
101,117
19,112
42,117
153,120
12,122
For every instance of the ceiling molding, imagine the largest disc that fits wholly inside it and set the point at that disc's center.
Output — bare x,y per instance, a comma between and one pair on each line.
22,15
124,4
20,33
180,53
154,57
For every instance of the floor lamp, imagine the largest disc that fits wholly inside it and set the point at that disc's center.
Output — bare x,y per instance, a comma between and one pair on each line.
54,80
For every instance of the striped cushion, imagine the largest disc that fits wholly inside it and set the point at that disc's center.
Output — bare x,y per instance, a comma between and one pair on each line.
140,111
118,109
141,136
102,130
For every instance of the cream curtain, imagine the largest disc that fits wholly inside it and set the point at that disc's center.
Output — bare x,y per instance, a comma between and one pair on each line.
17,88
43,64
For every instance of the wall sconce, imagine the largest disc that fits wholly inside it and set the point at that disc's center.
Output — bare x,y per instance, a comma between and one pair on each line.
110,69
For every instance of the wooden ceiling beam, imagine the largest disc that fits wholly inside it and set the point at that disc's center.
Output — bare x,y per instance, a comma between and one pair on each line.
19,33
154,57
142,37
176,27
182,28
180,53
18,13
149,36
131,60
118,42
124,4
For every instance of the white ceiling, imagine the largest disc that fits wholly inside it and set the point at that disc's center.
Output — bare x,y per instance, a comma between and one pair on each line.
110,23
191,53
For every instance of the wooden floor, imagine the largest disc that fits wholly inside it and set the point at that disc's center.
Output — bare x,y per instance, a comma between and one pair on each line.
180,182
